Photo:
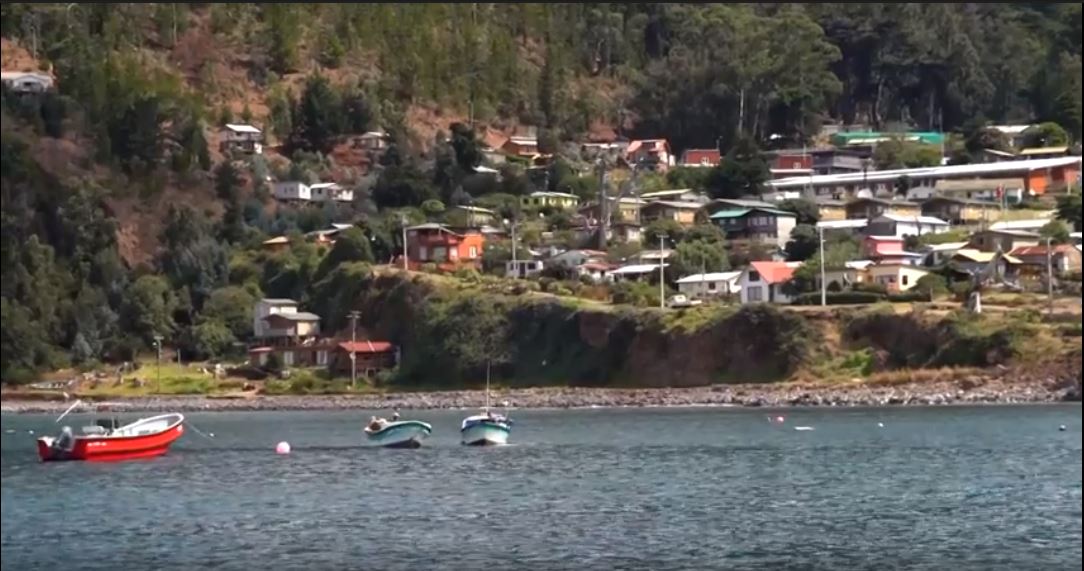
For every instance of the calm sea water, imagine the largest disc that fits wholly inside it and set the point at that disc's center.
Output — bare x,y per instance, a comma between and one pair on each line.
944,488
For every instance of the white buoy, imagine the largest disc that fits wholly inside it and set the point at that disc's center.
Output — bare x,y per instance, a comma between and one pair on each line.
803,428
30,432
1062,428
880,425
282,448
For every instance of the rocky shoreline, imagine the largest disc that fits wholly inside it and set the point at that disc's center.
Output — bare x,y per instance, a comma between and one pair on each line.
956,392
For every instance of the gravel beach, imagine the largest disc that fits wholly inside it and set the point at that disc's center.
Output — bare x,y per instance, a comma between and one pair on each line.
972,390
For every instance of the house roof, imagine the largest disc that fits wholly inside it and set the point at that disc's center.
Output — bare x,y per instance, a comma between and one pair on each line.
543,193
1013,233
665,193
240,128
930,220
946,247
278,301
597,266
885,239
650,144
638,269
1006,168
1011,129
1043,151
710,277
366,346
276,241
882,201
431,226
850,223
482,169
973,255
1028,251
1030,224
956,200
744,211
743,203
476,209
979,184
324,185
674,204
774,272
299,316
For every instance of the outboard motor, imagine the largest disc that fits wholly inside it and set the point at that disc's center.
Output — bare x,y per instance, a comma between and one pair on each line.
66,441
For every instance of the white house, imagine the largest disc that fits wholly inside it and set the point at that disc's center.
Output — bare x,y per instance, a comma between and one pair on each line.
763,282
635,272
330,192
708,285
597,271
522,268
26,81
267,307
574,258
900,226
290,191
244,138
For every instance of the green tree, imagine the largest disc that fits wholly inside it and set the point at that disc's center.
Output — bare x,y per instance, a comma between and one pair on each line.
742,172
191,257
803,243
284,34
317,118
351,245
433,208
468,153
1069,209
230,306
806,210
696,256
148,308
1046,135
1056,230
212,340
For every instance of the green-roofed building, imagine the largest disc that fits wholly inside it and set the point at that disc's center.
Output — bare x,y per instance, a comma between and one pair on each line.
761,224
854,138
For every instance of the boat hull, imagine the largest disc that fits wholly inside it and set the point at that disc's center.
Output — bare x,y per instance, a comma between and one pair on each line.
404,434
485,434
105,449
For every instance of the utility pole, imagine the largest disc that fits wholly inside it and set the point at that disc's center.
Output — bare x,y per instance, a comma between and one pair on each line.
353,344
158,363
515,260
662,273
1049,279
824,286
603,205
406,265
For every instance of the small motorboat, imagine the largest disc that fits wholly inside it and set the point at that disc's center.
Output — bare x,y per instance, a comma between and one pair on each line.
486,429
106,440
397,433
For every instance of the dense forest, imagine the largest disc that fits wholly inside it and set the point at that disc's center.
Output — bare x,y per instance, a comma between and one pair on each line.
141,86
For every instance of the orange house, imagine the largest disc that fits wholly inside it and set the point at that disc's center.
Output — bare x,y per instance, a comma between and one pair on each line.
437,244
1054,178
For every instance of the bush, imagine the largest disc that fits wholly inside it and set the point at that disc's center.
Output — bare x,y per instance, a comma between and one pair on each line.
960,290
841,298
932,285
869,287
908,297
635,293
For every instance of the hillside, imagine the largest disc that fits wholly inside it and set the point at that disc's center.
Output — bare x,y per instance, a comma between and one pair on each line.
124,219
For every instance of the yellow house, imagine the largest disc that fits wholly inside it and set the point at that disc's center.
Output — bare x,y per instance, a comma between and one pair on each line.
562,200
895,277
832,209
683,213
621,210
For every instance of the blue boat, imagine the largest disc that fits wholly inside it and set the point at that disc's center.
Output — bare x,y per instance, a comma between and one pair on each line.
398,434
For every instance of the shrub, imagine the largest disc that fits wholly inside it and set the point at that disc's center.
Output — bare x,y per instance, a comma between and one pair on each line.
932,285
869,287
910,296
840,298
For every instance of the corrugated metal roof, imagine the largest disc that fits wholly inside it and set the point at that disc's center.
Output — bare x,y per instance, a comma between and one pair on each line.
710,277
977,170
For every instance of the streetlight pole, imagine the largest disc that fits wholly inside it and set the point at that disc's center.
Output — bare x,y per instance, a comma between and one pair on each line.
515,260
406,265
158,363
662,272
353,344
1049,279
824,286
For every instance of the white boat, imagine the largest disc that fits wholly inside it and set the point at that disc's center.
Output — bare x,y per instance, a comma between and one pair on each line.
486,429
398,434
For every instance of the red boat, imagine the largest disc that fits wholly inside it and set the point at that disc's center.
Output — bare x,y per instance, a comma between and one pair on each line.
105,441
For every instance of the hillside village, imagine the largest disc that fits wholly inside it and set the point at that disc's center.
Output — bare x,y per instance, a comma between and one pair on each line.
284,208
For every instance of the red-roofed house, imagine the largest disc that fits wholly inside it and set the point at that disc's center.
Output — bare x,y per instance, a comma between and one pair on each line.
1063,257
888,250
763,282
700,158
372,356
653,154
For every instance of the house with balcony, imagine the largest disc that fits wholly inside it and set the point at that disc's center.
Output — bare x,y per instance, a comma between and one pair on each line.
958,211
651,154
278,322
447,249
759,224
242,138
874,207
683,213
560,200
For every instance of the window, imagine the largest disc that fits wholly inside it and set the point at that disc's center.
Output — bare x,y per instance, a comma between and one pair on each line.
756,294
423,253
321,358
754,276
440,254
711,286
473,252
288,358
904,279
